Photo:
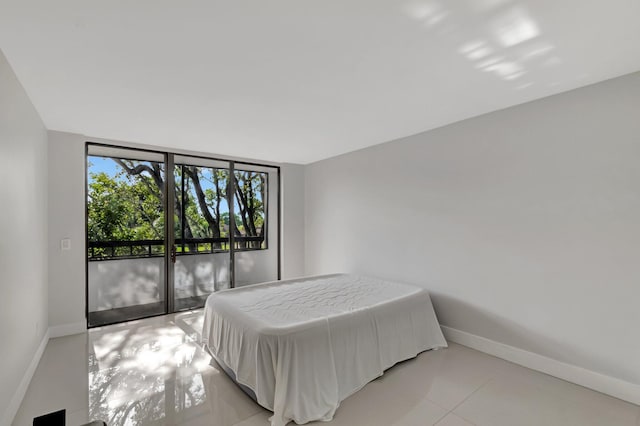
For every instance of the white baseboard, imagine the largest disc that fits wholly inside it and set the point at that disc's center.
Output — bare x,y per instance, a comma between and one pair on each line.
67,329
21,390
590,379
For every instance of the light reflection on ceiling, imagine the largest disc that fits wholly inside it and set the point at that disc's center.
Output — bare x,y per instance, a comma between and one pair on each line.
514,26
509,41
298,81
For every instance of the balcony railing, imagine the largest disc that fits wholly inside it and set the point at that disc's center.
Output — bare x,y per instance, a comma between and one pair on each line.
107,250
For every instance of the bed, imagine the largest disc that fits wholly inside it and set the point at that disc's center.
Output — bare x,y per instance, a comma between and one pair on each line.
300,347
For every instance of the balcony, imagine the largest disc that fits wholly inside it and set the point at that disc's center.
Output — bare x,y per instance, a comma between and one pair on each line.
126,278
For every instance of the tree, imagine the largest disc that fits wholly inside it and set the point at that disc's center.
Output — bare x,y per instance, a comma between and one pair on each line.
250,196
128,204
122,209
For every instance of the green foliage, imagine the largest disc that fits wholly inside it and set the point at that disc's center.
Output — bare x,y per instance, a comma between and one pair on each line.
128,205
124,207
250,194
225,219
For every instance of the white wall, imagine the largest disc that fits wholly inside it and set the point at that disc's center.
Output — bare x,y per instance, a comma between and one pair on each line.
23,242
66,220
524,223
293,219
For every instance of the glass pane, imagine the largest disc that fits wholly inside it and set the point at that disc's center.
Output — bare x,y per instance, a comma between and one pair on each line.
256,224
125,226
249,204
201,233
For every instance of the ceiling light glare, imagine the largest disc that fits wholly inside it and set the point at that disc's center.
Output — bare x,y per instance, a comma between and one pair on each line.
506,70
515,27
429,13
480,53
524,86
488,63
536,51
421,11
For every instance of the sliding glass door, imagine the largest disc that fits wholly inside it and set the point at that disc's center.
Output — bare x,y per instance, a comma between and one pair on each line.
200,251
222,232
126,242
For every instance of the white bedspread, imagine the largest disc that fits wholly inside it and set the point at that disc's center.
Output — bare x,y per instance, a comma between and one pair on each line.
305,345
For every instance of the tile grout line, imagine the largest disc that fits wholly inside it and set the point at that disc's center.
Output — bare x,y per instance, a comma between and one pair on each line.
443,416
462,402
472,393
447,415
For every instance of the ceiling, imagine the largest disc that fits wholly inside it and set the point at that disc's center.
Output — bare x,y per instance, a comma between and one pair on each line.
302,80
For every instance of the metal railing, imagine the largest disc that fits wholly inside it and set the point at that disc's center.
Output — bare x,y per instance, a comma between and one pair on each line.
107,250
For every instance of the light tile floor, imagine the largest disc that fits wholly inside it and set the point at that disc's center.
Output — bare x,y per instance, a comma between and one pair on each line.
153,372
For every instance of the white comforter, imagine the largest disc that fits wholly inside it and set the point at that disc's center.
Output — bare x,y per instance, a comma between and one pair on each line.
305,345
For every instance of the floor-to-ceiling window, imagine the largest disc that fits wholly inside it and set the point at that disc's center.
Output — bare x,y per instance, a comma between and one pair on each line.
149,253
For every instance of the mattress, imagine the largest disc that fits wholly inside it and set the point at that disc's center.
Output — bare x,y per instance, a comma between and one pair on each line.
302,346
